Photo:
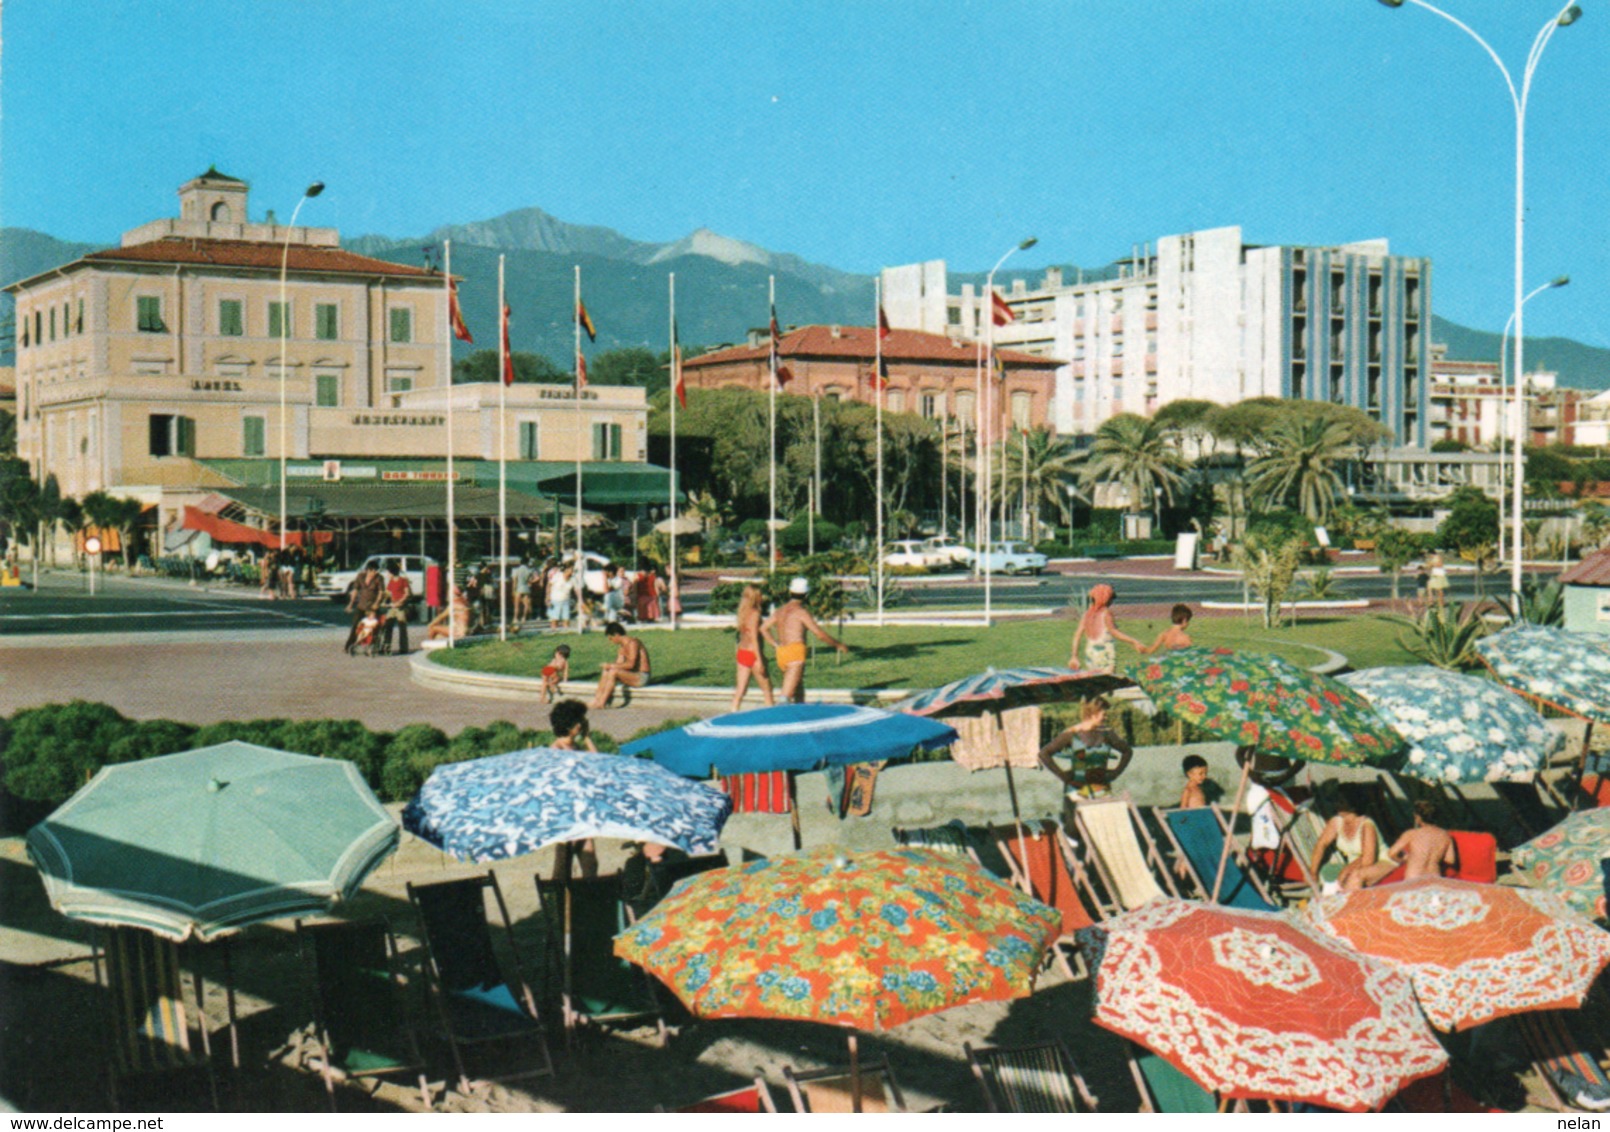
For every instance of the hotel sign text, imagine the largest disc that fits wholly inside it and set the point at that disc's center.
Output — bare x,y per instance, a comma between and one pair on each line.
389,419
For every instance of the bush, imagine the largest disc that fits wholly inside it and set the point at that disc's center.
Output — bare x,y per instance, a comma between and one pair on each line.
262,732
52,750
752,529
411,755
796,537
150,738
338,739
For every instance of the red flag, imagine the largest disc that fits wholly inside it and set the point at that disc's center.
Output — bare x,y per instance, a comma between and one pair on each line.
1000,313
678,386
508,354
585,321
883,324
456,316
783,375
581,370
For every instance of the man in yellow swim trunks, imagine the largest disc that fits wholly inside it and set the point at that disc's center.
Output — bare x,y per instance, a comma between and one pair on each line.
791,622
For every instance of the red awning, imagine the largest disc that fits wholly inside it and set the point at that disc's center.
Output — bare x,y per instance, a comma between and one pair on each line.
227,530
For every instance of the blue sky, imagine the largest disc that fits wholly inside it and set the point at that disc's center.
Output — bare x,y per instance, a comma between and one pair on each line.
853,134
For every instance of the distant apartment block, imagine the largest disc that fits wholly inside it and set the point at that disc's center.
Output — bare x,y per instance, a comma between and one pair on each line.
1205,316
1468,398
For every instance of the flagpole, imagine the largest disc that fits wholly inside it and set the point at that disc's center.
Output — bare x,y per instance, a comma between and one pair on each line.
944,477
581,562
771,516
989,471
503,463
878,382
447,358
676,379
979,460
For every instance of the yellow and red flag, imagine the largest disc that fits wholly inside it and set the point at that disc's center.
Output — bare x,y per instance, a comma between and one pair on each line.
456,315
1000,311
508,354
585,321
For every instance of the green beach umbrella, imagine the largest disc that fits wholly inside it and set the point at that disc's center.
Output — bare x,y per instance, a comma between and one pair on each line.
202,843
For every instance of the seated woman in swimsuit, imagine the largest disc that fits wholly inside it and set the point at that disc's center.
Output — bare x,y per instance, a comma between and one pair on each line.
1353,838
1100,634
750,659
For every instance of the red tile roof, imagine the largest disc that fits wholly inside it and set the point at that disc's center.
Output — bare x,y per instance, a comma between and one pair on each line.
858,343
1594,570
254,254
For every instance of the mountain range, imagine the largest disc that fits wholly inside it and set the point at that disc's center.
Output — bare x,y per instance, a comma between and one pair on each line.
721,289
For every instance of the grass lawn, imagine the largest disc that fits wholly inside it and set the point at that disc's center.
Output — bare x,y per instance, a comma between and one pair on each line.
907,656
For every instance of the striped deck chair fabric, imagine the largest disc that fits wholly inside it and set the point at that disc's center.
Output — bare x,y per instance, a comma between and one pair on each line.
1200,837
770,792
151,1032
1570,1072
1112,836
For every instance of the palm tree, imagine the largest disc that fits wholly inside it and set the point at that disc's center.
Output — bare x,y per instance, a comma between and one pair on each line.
1139,454
1047,464
1300,459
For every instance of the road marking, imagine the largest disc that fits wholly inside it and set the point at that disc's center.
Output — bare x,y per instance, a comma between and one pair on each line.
210,612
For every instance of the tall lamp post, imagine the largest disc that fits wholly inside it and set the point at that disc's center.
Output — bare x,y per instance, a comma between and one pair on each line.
986,401
1566,16
308,194
1520,396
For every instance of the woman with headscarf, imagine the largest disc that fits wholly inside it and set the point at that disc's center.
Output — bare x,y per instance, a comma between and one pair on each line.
1100,634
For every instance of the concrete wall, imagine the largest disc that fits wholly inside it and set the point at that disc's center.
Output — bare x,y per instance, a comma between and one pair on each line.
1583,605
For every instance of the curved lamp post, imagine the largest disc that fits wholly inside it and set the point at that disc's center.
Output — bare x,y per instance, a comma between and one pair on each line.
1565,17
308,194
985,401
1520,396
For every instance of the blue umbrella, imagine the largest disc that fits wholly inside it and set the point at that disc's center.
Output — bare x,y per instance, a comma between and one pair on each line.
791,737
505,805
1010,687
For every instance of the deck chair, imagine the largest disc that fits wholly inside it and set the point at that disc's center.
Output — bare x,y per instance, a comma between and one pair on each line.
752,1098
149,1027
1044,865
360,1026
658,878
1569,1066
1532,805
1165,1088
828,1090
1198,838
1032,1078
952,837
476,1001
584,915
1121,853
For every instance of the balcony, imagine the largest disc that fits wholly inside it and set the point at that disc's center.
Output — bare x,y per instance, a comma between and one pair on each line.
1151,320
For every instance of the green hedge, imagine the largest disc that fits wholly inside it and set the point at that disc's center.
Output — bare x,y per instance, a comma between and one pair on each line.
48,752
1128,548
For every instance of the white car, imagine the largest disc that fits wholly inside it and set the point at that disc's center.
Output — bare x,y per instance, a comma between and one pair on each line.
1012,558
335,583
949,551
912,552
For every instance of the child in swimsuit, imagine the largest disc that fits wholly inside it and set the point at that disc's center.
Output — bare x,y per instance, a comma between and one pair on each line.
1177,635
555,672
1099,631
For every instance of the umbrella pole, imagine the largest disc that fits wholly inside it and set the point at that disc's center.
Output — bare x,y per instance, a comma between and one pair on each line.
1229,832
229,997
1582,764
1011,789
855,1073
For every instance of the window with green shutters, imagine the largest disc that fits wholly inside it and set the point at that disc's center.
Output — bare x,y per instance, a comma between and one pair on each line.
253,442
327,319
231,318
172,435
529,449
606,442
326,390
52,324
186,436
149,311
402,324
279,320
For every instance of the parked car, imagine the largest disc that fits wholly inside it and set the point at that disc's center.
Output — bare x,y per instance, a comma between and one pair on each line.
949,550
334,584
912,552
1012,558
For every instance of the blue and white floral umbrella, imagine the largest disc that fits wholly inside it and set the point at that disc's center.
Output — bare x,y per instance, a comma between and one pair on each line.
505,805
1460,728
791,737
1010,687
1565,670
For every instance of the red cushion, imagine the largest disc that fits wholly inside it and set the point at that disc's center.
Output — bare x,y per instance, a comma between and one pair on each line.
1597,788
739,1100
1478,856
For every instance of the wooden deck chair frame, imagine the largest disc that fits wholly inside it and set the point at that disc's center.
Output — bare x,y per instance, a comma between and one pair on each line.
559,947
170,978
1302,815
878,1071
1065,949
1204,885
519,985
323,1062
758,1085
1534,1030
1159,868
1001,1096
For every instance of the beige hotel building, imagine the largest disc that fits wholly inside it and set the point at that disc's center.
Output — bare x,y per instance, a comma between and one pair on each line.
154,369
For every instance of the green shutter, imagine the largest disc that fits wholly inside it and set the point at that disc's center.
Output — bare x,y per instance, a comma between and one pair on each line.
187,436
402,324
149,309
528,441
327,319
327,392
280,323
230,321
253,444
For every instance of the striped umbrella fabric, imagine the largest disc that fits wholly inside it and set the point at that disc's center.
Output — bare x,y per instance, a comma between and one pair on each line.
1010,687
202,843
1556,667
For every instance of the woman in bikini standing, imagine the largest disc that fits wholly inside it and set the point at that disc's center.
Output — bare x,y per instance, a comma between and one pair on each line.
751,659
1100,634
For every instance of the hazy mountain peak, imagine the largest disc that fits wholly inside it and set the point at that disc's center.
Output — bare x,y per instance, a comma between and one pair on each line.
713,245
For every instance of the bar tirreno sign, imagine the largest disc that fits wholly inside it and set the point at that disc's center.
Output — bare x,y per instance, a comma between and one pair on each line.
389,420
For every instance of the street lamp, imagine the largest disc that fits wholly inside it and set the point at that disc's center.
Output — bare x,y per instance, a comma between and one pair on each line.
1565,17
985,417
308,194
1503,364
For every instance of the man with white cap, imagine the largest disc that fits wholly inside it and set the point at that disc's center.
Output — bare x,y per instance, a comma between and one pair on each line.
791,622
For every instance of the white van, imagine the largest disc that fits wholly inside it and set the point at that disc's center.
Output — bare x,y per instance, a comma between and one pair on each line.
335,583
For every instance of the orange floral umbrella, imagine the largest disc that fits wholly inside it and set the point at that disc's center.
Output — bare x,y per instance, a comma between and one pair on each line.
1474,952
1254,1005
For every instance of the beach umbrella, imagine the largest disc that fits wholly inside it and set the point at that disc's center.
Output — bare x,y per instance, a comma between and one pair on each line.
1266,705
1254,1005
1568,860
864,940
791,737
202,843
681,525
1474,952
1460,728
505,805
1556,667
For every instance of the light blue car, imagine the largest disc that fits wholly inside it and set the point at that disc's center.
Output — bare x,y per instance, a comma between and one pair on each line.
1012,558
